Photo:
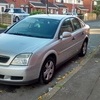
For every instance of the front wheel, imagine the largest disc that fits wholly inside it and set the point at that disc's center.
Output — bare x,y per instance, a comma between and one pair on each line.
17,19
83,50
47,71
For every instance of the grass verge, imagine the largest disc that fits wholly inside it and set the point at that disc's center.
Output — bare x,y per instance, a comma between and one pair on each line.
3,26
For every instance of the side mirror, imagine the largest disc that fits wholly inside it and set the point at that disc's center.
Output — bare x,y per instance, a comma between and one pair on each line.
65,35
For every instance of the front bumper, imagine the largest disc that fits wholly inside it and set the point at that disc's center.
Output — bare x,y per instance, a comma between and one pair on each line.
19,83
17,75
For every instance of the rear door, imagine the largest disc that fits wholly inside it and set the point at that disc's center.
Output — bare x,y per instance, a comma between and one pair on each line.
78,34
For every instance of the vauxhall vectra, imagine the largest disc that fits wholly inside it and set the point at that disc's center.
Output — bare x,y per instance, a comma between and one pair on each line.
33,48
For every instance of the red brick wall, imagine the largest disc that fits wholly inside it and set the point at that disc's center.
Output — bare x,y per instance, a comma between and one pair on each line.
70,6
88,4
52,1
17,3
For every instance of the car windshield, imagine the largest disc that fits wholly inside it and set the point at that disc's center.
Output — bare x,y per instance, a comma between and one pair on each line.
15,10
35,27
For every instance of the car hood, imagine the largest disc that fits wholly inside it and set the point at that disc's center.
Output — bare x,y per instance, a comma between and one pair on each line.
13,45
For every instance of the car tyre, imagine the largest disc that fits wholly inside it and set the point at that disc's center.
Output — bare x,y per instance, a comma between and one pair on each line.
83,50
47,71
17,19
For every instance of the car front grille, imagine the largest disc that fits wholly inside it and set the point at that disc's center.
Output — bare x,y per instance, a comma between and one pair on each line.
3,59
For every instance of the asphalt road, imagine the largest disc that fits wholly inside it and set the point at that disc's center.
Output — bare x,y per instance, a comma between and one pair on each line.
32,92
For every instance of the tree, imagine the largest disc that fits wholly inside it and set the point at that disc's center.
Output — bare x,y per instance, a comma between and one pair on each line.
97,9
98,2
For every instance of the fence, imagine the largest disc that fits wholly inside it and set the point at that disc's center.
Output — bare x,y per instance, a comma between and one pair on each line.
90,16
6,19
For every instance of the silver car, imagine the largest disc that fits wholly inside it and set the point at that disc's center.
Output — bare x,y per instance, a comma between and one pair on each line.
18,13
33,48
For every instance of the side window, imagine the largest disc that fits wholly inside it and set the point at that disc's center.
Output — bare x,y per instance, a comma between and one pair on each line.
66,26
76,23
82,23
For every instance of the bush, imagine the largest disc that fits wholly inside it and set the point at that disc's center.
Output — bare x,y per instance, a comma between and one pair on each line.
97,10
36,12
3,26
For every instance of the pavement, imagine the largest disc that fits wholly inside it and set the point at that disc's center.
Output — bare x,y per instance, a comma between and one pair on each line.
83,82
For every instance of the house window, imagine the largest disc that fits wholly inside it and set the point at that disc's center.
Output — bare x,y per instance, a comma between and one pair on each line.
58,0
65,1
51,11
11,5
64,10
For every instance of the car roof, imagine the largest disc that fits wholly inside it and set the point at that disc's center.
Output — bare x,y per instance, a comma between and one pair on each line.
52,16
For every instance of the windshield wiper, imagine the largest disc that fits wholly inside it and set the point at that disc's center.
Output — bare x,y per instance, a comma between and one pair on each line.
21,34
15,33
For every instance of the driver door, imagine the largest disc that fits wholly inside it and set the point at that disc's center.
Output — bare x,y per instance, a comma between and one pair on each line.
66,49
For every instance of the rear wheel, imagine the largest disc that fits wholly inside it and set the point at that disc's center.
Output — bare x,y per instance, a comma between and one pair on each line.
47,71
83,50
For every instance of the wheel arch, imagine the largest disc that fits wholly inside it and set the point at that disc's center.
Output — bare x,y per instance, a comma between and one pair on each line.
86,39
50,55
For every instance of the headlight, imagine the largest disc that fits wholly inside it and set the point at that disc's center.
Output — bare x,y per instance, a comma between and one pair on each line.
21,59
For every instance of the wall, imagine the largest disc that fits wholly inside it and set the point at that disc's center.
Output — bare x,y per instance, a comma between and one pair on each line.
5,19
90,16
88,4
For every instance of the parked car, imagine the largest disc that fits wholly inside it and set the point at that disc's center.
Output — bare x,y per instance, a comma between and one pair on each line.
34,47
72,13
18,13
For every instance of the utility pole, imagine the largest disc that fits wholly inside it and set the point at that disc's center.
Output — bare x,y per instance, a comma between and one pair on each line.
46,3
73,7
91,6
46,6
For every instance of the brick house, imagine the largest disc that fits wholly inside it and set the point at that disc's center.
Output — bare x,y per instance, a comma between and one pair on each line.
89,4
38,5
3,5
30,5
54,6
19,4
61,8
